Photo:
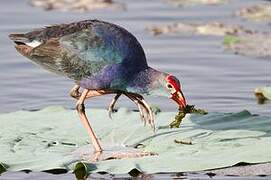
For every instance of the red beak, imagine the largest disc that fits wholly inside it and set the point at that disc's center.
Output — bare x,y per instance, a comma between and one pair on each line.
179,98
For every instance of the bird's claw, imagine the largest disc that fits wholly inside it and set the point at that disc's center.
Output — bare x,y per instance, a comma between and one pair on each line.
112,105
145,111
110,111
147,114
75,93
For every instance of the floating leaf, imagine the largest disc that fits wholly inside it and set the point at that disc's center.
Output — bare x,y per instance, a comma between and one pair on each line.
82,170
259,12
262,94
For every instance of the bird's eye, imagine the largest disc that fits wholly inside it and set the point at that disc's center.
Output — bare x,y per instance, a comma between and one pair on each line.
169,86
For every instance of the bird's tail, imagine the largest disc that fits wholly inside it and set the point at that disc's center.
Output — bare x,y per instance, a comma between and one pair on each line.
44,54
18,38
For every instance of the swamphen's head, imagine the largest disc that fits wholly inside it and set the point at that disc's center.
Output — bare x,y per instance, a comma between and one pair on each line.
173,87
157,83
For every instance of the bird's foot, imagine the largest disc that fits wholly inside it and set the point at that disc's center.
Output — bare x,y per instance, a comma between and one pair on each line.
146,114
110,152
127,155
110,111
75,92
145,111
112,104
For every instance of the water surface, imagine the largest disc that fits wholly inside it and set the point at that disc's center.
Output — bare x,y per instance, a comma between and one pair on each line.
211,78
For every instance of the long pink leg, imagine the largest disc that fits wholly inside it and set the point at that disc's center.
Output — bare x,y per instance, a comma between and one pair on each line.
144,109
81,111
97,147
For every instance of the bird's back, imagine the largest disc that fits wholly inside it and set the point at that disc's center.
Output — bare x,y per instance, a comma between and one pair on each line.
89,49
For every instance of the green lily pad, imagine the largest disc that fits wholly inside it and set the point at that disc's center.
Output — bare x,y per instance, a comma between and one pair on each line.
49,139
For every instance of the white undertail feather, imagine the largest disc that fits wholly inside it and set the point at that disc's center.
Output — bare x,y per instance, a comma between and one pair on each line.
34,43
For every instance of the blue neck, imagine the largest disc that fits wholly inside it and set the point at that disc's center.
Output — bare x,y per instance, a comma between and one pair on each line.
148,81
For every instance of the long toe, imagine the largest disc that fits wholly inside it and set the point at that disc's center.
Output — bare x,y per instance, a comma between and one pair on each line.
127,155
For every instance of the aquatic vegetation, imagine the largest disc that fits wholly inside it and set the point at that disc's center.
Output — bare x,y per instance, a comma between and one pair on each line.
76,5
181,3
231,40
226,133
236,38
211,28
155,109
183,142
254,44
256,13
3,168
182,112
262,94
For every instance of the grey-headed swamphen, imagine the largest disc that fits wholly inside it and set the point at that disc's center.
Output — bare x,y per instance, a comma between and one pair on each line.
102,58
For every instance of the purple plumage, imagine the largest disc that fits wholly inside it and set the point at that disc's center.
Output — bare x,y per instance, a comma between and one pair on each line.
96,54
102,58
